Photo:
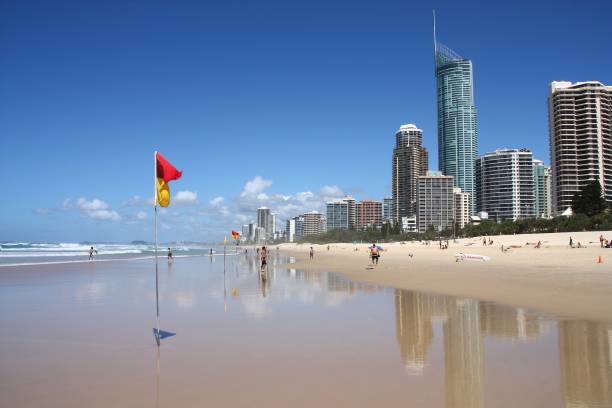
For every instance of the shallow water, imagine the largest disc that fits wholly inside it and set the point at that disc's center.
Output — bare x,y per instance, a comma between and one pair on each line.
80,334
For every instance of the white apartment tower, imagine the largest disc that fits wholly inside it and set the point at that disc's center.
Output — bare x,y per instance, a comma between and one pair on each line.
580,130
504,184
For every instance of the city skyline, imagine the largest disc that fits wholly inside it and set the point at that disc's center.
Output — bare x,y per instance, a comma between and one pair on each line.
86,109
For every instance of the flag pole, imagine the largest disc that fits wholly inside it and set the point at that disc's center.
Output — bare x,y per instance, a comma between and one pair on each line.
156,266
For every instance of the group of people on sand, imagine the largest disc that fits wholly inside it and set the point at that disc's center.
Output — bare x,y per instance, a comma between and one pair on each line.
605,243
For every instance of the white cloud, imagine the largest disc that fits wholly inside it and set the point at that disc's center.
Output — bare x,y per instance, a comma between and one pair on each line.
95,209
93,205
217,201
43,211
138,201
331,192
185,197
255,186
103,215
141,215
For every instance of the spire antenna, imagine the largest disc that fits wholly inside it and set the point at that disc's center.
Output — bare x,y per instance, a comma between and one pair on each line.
434,32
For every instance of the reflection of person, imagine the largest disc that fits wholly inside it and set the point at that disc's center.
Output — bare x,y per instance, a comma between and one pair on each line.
263,281
92,251
264,257
170,255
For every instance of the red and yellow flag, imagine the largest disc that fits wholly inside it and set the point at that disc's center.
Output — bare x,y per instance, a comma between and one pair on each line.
164,173
235,235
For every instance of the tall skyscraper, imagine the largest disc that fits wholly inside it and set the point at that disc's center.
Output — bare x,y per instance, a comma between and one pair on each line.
435,202
263,218
457,128
410,160
504,184
541,180
580,117
369,214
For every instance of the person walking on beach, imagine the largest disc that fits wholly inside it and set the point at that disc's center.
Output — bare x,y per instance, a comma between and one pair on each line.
374,254
311,253
264,257
170,259
328,247
601,241
571,242
92,251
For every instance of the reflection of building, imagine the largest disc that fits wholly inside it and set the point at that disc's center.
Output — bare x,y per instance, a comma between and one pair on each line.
413,328
369,214
337,283
509,322
463,355
586,363
410,161
435,202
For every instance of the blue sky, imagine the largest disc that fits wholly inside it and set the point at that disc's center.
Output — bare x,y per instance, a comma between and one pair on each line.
305,95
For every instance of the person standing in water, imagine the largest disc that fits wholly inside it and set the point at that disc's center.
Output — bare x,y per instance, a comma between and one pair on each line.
92,251
170,259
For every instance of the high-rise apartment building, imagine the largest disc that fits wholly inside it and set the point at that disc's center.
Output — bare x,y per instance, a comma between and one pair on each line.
294,229
387,209
463,211
337,215
342,214
263,219
369,214
435,202
504,184
541,187
410,160
314,223
457,129
271,230
352,211
580,118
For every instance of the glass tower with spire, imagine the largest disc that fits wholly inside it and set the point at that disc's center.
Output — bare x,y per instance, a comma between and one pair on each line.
457,133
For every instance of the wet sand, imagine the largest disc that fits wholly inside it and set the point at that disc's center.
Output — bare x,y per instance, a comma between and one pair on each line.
554,278
77,335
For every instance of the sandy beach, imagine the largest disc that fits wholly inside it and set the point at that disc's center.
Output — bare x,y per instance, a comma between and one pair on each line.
554,278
